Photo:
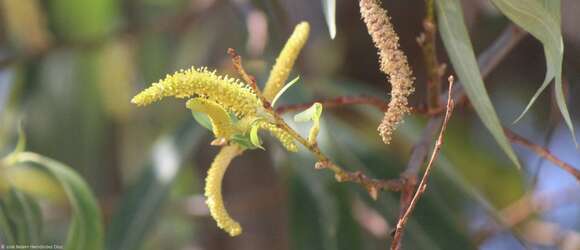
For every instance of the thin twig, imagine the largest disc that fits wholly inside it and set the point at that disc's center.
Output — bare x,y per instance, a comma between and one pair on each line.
428,42
423,184
249,79
237,62
542,152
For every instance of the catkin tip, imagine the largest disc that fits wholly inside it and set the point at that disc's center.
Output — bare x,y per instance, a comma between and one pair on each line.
213,190
285,61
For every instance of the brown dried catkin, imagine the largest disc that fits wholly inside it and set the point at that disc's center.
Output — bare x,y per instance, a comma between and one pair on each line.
393,63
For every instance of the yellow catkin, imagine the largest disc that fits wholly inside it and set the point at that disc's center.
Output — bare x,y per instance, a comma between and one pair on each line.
284,137
213,190
285,61
220,120
230,93
393,63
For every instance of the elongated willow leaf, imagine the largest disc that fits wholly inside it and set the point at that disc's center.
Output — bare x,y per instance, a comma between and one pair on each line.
86,230
20,219
541,18
458,46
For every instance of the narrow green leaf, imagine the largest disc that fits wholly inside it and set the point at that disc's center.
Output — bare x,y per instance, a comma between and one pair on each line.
541,18
22,217
283,90
34,181
458,45
329,8
8,236
21,144
86,230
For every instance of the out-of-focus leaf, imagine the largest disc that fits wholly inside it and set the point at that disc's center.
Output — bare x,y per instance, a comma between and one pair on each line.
284,89
315,194
86,230
116,76
329,8
21,144
26,23
141,205
33,181
458,46
541,18
20,219
83,20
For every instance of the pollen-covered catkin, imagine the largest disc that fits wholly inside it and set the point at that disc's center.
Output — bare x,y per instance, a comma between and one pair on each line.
213,190
284,137
393,63
232,94
285,61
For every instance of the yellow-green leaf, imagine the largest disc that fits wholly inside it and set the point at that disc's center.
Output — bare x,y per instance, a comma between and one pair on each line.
311,114
284,89
86,229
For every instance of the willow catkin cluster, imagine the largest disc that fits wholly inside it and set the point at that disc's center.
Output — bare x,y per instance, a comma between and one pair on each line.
213,190
229,92
284,137
285,61
393,63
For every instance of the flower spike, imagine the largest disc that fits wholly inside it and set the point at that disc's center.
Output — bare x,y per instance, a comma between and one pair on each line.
285,61
213,190
229,92
393,63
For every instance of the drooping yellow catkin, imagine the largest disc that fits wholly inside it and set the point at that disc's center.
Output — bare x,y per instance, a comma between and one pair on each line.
285,61
393,63
284,137
220,120
213,190
232,94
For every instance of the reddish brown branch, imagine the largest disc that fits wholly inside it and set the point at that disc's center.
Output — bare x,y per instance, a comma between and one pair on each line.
249,79
428,42
542,152
373,186
237,62
423,184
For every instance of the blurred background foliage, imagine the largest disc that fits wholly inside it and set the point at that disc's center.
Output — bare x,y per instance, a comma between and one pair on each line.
68,69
